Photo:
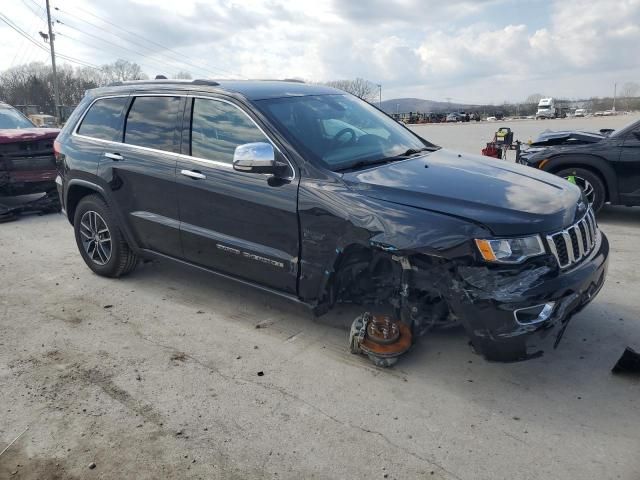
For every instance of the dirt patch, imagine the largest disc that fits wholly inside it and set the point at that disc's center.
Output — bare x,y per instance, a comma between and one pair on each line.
15,464
96,377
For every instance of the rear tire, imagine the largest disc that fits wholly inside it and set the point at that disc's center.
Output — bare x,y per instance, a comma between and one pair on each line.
590,183
100,241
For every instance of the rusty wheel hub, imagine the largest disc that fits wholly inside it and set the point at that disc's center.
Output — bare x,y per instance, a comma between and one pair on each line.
380,337
382,330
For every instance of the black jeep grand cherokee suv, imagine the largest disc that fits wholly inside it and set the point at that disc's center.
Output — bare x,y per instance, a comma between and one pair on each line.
312,194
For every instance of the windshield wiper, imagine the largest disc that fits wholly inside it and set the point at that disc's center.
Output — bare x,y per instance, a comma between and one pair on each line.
414,151
366,163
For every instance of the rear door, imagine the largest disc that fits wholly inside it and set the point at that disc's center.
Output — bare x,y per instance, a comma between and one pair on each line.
244,224
141,170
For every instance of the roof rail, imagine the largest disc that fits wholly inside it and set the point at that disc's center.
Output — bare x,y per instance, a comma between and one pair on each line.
200,81
163,81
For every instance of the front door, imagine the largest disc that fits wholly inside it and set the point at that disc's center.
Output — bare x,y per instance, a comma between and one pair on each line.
243,224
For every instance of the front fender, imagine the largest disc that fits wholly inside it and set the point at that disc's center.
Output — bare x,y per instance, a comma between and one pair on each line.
334,219
592,162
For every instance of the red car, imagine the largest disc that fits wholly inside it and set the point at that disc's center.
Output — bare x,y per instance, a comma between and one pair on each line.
27,163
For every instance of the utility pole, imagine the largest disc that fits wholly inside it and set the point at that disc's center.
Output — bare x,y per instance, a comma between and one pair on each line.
615,87
56,92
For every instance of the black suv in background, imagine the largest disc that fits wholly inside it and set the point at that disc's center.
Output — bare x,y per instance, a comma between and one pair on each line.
315,195
606,167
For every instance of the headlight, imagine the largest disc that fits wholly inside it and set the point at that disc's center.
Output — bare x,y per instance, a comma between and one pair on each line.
510,250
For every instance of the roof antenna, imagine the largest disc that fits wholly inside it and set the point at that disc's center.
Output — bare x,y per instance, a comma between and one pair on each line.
160,77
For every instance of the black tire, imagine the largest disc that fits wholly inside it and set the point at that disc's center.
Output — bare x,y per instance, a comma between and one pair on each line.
597,194
109,258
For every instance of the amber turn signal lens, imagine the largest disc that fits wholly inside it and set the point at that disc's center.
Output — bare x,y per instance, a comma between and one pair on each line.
485,250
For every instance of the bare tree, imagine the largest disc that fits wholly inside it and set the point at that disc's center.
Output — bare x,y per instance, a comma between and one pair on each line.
122,70
183,75
534,98
359,87
628,91
32,84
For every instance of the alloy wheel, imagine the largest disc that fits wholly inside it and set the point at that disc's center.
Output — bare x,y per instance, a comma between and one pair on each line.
95,237
584,185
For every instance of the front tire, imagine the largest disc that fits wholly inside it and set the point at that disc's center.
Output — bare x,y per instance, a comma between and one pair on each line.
99,239
590,183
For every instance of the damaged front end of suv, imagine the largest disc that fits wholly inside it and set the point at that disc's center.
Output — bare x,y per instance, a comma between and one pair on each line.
411,245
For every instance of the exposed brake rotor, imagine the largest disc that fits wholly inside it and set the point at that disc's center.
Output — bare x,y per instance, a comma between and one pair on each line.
380,337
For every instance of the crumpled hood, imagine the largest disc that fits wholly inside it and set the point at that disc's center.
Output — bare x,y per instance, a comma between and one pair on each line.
12,135
507,198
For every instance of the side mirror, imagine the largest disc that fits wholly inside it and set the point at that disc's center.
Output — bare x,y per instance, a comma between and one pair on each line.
258,157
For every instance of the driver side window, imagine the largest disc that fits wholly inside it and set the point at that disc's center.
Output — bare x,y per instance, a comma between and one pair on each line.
217,128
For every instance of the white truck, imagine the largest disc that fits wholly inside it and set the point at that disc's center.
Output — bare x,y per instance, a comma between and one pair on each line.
546,109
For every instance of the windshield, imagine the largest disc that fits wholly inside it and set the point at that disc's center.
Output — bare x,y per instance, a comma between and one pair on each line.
340,131
629,127
10,118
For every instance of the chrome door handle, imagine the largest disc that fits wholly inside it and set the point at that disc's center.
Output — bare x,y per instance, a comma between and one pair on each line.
114,156
193,174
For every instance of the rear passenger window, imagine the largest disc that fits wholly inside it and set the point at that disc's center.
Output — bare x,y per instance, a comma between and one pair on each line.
217,128
152,122
103,120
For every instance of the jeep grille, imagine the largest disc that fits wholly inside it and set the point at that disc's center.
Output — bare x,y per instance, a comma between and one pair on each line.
575,242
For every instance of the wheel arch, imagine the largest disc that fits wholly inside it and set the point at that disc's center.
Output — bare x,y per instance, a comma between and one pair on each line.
77,189
595,164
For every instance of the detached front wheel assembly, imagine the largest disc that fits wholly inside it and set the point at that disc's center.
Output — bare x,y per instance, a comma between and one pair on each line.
380,337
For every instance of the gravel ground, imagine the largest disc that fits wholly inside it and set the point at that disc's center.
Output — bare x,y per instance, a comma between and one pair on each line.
174,373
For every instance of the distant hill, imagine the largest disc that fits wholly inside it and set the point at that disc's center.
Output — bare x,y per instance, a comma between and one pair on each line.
405,105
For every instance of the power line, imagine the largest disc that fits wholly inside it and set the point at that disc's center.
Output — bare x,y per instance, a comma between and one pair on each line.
42,47
143,55
24,48
180,56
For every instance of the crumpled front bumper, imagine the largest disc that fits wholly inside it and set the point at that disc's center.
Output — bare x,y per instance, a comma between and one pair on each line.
488,313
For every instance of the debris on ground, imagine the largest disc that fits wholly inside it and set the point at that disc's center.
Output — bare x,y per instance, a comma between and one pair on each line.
629,362
380,337
13,441
178,357
92,466
47,203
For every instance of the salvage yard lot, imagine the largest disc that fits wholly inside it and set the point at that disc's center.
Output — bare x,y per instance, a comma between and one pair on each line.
174,373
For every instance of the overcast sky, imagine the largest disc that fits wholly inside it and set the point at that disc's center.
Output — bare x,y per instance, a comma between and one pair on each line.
468,50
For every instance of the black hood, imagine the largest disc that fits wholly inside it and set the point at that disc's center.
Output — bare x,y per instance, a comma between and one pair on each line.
507,198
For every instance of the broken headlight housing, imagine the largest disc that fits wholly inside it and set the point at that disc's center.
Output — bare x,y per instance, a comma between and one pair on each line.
510,250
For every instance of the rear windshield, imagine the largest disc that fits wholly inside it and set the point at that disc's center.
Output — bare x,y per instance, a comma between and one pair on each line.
12,119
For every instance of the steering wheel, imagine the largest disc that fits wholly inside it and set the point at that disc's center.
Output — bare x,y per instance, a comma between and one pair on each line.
342,133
